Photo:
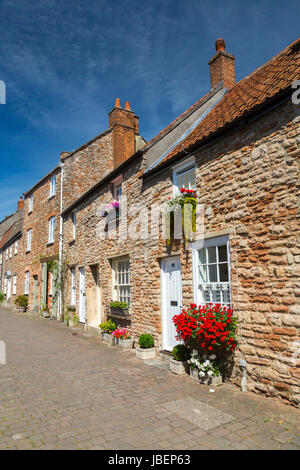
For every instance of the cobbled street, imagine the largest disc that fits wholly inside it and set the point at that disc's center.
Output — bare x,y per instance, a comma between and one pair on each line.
61,390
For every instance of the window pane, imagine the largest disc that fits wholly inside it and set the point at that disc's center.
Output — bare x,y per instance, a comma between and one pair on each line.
216,295
222,253
212,254
202,256
213,273
223,272
186,181
202,274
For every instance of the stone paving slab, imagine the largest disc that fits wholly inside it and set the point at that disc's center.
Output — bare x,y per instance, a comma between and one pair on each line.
201,414
60,391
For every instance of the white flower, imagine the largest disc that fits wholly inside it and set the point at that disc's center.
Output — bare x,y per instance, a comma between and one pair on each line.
202,374
206,363
210,373
212,357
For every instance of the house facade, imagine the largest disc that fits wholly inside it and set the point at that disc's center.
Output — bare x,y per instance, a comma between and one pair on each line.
238,149
242,158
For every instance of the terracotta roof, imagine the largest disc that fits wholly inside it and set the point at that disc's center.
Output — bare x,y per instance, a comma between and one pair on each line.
13,231
267,81
6,237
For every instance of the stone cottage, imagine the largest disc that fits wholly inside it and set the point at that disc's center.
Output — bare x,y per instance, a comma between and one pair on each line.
238,148
241,154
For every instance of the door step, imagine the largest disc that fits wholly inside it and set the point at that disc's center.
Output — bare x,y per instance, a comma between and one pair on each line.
165,355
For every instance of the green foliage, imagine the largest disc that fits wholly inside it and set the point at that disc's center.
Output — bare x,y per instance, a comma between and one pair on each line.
146,341
44,308
71,308
118,304
22,301
2,297
181,353
108,326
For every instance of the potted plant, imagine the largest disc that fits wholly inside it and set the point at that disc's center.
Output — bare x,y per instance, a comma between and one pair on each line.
22,303
211,331
45,311
122,338
146,348
178,364
119,308
70,316
106,329
205,369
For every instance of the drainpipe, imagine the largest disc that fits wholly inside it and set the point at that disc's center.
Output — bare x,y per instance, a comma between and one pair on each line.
1,252
59,310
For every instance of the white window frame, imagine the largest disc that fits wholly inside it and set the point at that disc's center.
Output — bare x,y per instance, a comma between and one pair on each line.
6,254
27,282
30,209
15,284
73,286
53,186
223,288
74,219
51,230
180,169
29,239
1,257
10,251
16,246
121,280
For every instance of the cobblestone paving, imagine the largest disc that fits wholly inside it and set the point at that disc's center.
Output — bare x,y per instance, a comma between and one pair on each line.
59,390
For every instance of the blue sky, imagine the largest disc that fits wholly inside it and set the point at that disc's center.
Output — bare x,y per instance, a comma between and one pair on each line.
65,62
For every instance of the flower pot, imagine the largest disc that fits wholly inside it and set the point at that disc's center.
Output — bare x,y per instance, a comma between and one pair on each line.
21,309
145,354
125,344
71,322
106,337
178,367
45,314
214,381
194,373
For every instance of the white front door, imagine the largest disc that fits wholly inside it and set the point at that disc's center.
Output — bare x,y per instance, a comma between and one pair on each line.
8,288
171,300
82,318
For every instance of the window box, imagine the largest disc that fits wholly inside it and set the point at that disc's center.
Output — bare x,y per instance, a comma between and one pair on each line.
119,312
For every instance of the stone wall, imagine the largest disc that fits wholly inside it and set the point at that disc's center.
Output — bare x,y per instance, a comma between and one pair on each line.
86,166
44,207
248,184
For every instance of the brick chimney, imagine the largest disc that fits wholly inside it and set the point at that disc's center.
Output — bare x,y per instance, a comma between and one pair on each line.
221,66
125,126
20,203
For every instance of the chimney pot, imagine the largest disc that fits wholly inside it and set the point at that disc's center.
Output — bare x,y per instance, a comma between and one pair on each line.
118,103
222,67
20,203
220,45
127,106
